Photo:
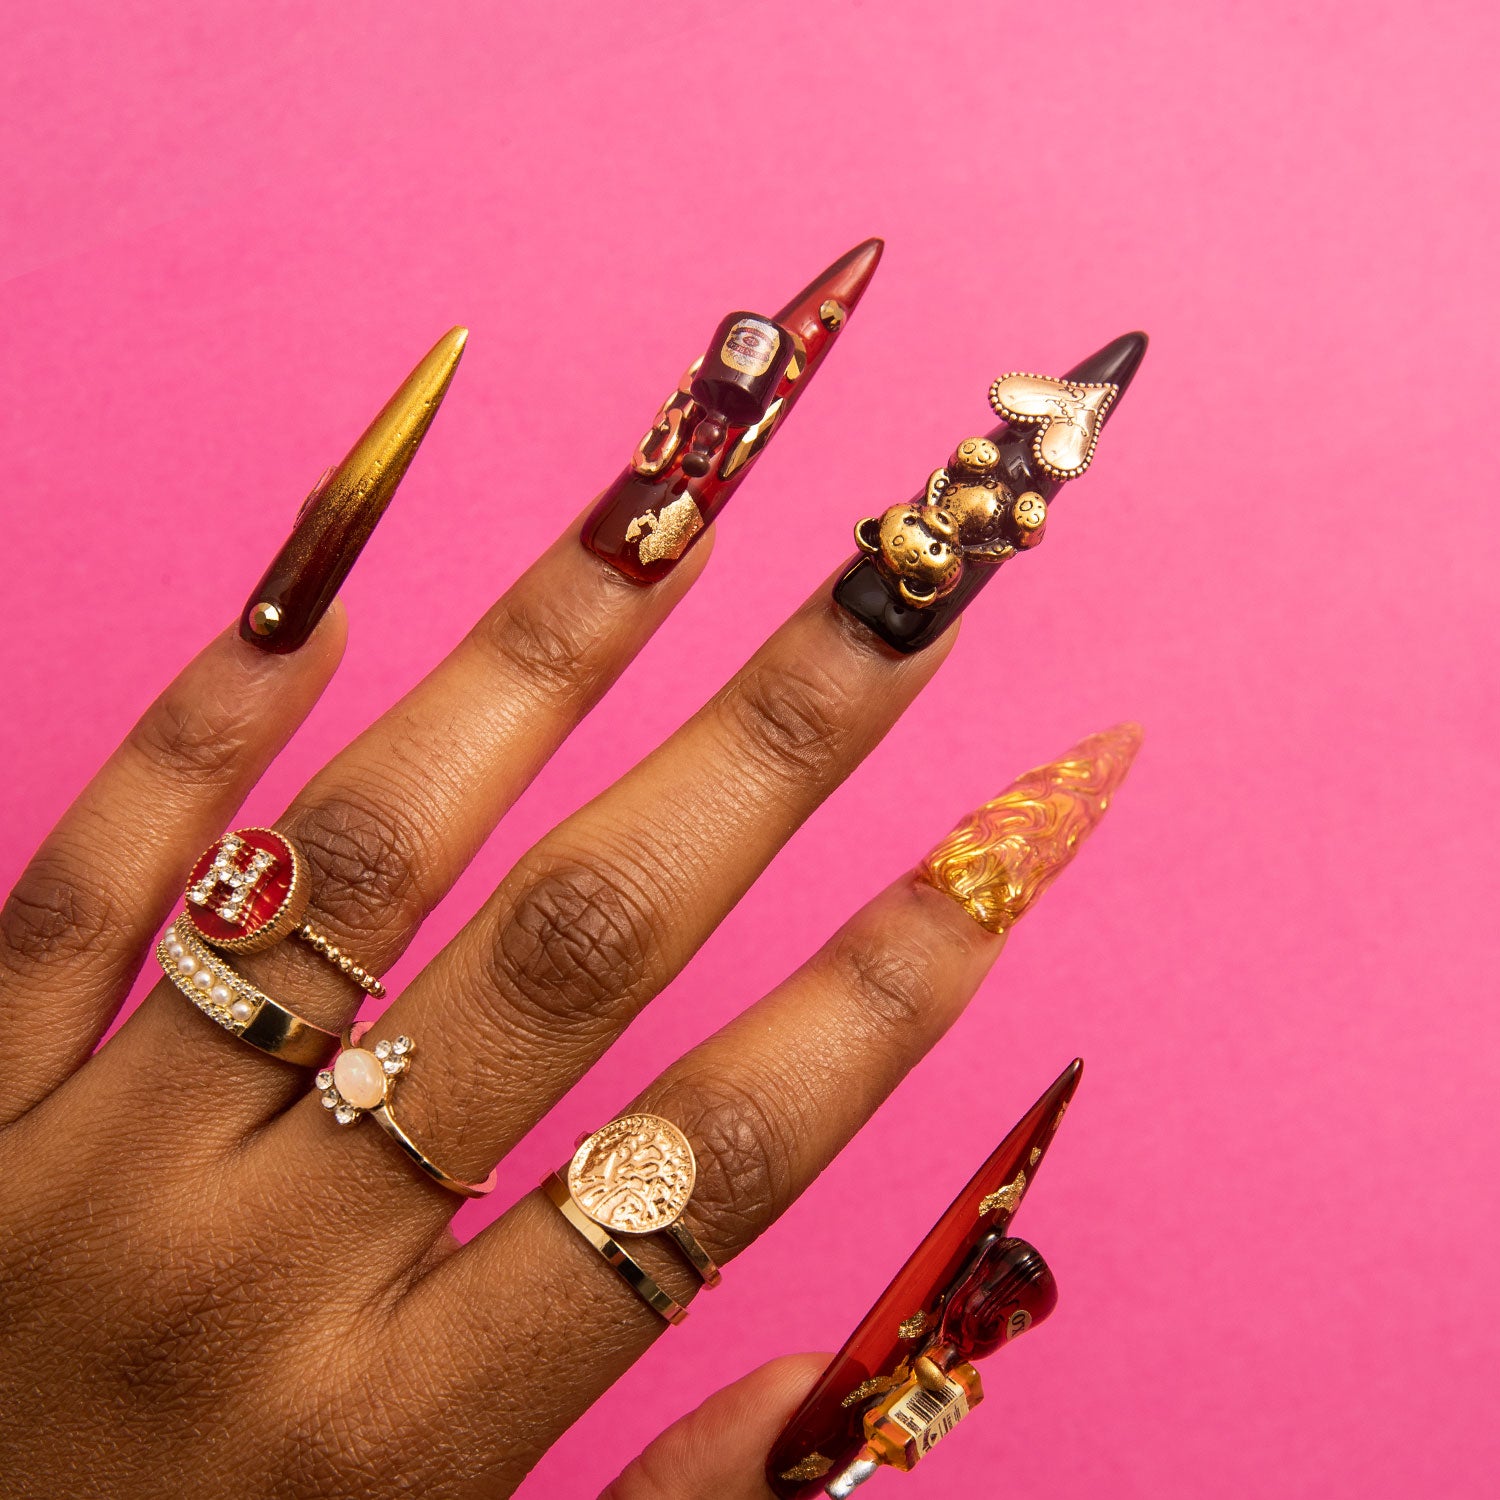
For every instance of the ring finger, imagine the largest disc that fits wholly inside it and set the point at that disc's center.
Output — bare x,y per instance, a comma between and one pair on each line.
766,1103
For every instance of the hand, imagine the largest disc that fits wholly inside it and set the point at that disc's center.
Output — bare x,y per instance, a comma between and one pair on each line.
208,1287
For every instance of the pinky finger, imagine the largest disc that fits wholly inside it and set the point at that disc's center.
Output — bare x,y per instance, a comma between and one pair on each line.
74,930
718,1452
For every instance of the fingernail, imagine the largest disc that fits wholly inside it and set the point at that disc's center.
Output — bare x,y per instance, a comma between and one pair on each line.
712,428
908,1318
922,562
336,520
1000,859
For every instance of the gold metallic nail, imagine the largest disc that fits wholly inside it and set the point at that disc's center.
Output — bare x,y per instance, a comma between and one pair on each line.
336,520
998,861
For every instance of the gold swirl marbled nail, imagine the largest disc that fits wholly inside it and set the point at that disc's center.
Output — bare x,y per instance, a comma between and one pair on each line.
1000,859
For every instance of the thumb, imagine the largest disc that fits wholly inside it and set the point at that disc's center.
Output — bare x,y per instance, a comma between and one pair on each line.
718,1452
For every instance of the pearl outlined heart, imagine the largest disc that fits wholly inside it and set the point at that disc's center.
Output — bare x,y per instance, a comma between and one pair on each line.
1066,413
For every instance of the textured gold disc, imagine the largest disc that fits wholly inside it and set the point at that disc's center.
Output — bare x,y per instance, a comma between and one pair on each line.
634,1176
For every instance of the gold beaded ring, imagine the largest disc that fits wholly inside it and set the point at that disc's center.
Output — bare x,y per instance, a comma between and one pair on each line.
360,1082
250,889
634,1177
235,1004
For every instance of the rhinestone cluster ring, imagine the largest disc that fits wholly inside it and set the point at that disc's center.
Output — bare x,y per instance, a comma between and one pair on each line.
362,1081
250,889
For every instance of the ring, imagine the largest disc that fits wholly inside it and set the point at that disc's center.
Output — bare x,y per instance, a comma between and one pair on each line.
361,1082
231,1000
634,1177
250,889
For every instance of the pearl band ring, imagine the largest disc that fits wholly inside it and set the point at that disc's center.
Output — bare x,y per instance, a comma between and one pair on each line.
230,999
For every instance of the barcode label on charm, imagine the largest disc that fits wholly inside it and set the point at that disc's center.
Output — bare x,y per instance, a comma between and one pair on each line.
929,1416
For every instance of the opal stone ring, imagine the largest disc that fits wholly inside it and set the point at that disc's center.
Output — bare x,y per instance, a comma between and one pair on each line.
361,1080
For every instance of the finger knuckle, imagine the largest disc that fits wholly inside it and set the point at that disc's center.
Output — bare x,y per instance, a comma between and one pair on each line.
550,643
57,912
745,1148
890,977
576,944
191,737
364,857
793,723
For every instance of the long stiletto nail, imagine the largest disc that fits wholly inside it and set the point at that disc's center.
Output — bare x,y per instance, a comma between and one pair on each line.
1000,859
966,1291
922,562
712,428
336,520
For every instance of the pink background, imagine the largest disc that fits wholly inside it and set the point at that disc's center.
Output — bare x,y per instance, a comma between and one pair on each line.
227,231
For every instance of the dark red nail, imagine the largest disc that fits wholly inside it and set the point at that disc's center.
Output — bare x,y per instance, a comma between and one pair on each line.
711,429
921,563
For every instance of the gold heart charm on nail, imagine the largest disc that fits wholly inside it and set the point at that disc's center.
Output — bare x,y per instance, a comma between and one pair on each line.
1066,413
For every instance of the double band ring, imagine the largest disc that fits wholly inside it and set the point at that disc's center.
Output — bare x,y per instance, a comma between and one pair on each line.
250,889
361,1081
634,1177
230,999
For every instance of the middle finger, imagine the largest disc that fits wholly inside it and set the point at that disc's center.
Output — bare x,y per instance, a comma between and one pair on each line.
601,914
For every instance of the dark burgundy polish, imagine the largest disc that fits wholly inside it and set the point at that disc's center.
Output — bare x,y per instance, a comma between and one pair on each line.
870,595
711,429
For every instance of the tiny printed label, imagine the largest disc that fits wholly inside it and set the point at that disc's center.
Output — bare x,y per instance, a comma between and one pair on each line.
750,346
929,1416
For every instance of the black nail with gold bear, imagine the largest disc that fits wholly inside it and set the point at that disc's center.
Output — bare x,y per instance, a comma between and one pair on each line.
921,563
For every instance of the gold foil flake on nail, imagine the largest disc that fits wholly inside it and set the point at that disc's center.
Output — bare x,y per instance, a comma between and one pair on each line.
876,1385
915,1326
1007,1197
1036,1155
814,1466
997,862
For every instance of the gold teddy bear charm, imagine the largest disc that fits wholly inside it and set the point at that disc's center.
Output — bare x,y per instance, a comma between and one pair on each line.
968,514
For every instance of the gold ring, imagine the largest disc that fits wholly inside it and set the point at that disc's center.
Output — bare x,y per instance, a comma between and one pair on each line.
250,889
634,1177
361,1081
231,1000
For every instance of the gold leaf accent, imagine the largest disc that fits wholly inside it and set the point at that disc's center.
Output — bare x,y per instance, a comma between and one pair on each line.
915,1326
999,860
1036,1155
1007,1197
876,1385
668,533
814,1466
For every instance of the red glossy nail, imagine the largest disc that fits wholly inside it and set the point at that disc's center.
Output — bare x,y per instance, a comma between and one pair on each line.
909,1319
712,428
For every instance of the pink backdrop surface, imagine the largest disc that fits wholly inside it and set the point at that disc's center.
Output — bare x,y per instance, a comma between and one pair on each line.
228,231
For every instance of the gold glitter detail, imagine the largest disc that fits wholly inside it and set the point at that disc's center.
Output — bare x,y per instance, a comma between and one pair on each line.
876,1385
915,1326
1036,1155
666,534
997,862
814,1466
1007,1197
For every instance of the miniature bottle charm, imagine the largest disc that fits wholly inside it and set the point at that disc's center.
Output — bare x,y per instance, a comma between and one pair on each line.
1005,1288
